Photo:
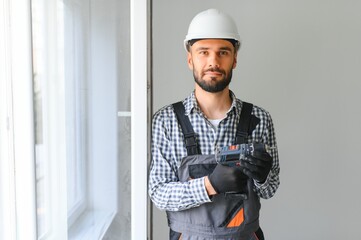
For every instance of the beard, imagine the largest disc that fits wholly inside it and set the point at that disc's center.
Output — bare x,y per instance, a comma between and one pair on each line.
213,85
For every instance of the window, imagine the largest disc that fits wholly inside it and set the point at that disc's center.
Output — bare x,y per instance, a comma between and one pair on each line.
17,180
62,145
70,200
60,89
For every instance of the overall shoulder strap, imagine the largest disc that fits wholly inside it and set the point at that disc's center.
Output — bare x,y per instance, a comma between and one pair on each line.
244,123
190,138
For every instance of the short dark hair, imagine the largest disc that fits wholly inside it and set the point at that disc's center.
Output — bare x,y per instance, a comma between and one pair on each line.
235,43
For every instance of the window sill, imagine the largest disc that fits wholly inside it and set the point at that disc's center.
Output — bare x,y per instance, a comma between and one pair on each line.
91,225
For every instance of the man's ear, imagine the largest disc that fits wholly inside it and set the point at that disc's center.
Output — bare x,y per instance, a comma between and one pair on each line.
190,60
235,61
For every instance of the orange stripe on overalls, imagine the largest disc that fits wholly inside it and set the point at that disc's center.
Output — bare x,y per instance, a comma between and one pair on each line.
237,220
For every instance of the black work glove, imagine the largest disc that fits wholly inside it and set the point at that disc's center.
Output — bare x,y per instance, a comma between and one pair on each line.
258,165
228,179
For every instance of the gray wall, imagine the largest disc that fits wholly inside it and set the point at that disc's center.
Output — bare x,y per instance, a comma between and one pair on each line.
301,60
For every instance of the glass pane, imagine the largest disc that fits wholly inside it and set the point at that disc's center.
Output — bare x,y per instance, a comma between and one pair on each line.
121,226
39,33
81,52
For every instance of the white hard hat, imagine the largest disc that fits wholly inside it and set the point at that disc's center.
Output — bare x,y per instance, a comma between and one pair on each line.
212,23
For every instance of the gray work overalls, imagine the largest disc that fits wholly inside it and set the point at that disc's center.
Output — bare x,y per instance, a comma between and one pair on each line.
228,216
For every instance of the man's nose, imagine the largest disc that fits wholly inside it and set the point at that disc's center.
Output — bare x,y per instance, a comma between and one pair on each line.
213,60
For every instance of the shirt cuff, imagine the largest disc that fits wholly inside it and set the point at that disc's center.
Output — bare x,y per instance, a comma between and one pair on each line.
262,186
201,195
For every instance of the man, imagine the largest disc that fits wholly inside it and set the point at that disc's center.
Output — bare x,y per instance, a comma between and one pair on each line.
203,199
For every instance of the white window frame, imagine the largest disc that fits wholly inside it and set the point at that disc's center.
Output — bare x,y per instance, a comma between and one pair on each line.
140,117
7,177
76,72
17,121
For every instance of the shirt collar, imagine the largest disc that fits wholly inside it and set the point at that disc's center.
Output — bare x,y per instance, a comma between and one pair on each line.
191,104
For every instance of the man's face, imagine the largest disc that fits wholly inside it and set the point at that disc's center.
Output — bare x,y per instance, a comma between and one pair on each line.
212,62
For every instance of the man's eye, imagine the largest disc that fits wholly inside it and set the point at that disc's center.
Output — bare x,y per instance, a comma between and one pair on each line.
203,52
223,53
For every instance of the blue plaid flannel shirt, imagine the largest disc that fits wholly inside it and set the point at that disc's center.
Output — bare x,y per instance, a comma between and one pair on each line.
168,149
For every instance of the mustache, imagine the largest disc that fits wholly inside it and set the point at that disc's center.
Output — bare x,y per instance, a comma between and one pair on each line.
215,70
